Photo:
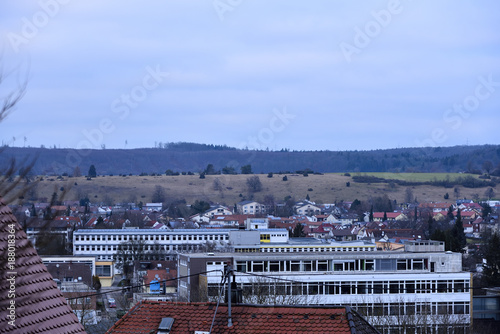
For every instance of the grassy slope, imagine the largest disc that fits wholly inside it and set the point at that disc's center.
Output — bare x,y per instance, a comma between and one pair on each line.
326,188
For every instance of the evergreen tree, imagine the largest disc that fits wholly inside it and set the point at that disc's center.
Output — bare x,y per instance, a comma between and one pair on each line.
430,226
210,170
460,234
371,213
92,171
247,169
486,210
385,216
491,269
298,231
450,214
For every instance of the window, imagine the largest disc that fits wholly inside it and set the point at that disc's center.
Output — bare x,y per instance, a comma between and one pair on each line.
401,265
378,288
308,265
385,264
258,266
274,266
322,265
418,264
241,266
394,287
295,265
104,270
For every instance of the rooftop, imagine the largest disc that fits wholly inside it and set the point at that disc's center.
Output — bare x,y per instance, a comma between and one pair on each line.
146,316
39,306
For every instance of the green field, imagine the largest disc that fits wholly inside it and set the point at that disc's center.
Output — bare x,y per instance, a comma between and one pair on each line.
416,177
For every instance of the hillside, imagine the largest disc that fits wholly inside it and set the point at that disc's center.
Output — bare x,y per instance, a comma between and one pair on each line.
326,188
184,157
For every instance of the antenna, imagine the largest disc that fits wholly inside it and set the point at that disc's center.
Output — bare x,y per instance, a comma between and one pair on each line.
229,272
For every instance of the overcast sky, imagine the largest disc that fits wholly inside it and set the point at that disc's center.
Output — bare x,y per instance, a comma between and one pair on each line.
303,75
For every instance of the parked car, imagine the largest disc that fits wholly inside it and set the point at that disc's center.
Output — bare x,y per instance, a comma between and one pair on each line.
112,302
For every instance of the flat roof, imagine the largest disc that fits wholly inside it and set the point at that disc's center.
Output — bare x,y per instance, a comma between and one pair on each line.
317,255
152,231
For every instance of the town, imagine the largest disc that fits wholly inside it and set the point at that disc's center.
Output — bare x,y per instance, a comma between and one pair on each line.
421,264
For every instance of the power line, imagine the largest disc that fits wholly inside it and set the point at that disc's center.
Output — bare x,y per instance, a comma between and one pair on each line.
223,284
129,287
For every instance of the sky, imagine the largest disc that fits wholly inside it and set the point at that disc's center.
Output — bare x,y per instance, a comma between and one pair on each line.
259,74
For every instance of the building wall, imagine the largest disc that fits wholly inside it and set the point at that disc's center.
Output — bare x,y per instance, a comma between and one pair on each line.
382,285
104,243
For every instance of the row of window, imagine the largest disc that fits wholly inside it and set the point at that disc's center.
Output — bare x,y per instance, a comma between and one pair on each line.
332,265
349,288
418,308
312,249
174,237
425,328
114,248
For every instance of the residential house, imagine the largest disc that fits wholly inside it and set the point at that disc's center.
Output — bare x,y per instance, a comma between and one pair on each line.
71,268
343,235
82,300
156,207
307,208
250,208
217,210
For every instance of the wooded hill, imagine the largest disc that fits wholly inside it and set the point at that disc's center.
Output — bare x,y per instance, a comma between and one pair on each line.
190,157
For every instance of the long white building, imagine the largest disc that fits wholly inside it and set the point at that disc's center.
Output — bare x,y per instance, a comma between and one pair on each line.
104,243
422,289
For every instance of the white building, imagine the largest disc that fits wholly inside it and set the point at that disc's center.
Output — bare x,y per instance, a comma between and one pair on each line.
250,208
103,244
422,286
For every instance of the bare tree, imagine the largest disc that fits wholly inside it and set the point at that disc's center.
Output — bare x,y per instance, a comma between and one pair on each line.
489,193
269,291
158,195
217,185
409,195
82,300
12,186
130,253
254,185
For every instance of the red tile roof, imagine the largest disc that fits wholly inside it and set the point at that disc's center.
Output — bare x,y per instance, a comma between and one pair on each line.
39,305
161,275
146,316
